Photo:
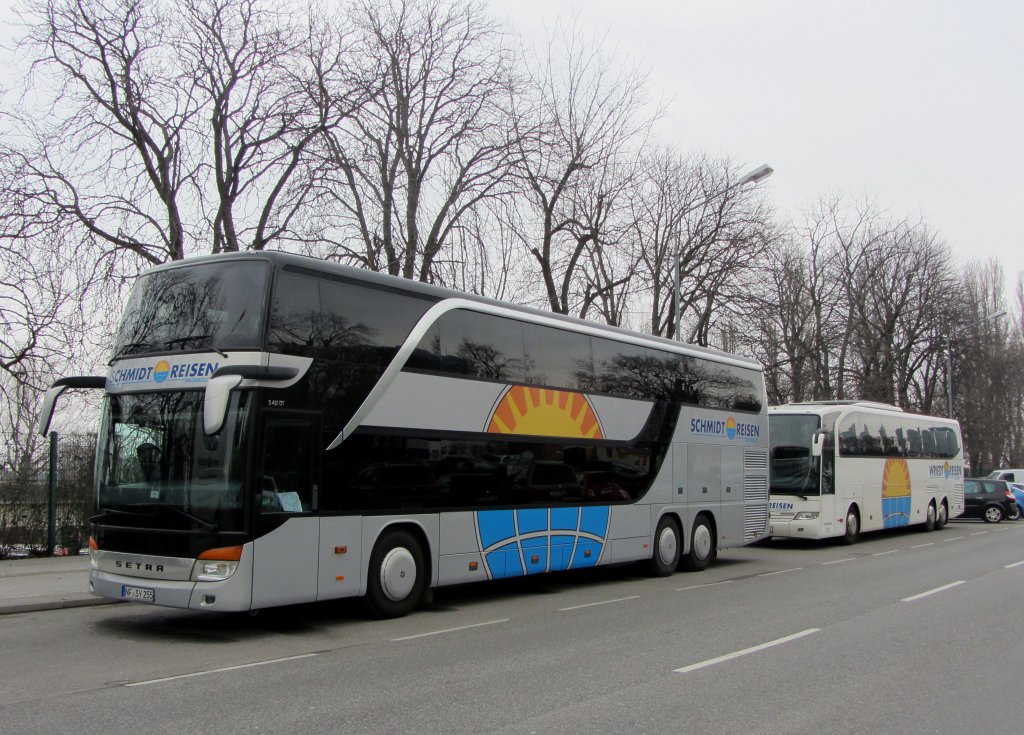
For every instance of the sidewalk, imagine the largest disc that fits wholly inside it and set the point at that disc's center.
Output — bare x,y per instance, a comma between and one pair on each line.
29,585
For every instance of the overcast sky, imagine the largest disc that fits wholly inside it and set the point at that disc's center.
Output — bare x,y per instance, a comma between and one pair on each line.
918,103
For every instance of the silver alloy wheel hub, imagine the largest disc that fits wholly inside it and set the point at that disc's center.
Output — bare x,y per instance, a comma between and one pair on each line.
398,574
667,545
702,541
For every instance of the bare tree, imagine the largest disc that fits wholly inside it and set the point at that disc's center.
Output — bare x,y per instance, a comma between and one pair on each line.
111,152
690,211
271,82
434,144
578,132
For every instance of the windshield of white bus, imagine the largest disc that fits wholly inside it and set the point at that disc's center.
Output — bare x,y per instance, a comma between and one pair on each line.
156,468
208,306
794,469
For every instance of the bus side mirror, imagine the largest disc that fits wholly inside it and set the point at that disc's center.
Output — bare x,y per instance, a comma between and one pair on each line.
55,390
817,443
215,401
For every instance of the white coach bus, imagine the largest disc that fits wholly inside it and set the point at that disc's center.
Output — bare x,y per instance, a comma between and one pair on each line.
842,467
278,430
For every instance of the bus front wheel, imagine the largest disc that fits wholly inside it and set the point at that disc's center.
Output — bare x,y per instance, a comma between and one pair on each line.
396,575
665,558
852,532
702,545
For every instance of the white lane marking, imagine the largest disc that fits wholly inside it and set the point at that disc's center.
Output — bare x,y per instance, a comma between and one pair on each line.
218,671
883,553
602,602
838,561
955,538
921,546
781,571
979,533
1015,564
932,592
706,584
745,651
448,630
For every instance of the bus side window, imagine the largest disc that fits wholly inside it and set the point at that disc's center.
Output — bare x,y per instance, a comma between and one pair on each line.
287,483
914,438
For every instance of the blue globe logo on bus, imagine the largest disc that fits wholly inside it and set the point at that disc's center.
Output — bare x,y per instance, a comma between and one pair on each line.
161,370
534,540
730,427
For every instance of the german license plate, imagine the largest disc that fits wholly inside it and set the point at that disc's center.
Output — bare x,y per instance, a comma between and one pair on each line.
137,594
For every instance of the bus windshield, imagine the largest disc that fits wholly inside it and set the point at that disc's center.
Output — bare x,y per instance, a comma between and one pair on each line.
208,306
157,469
794,469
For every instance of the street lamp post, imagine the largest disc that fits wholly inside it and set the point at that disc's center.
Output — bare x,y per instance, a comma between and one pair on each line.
752,177
949,358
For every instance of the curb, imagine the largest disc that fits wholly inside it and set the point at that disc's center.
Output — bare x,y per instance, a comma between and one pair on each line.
26,605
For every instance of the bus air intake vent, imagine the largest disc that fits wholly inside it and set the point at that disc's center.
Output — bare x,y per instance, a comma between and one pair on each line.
755,459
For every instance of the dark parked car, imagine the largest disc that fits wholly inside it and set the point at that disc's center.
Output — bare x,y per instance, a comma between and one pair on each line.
989,500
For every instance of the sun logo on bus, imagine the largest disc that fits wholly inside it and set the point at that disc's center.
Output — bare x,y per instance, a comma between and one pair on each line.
945,470
161,370
730,427
544,412
896,493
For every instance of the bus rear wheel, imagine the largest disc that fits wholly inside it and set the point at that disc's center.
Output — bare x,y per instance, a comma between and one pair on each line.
931,516
665,558
702,546
943,517
396,575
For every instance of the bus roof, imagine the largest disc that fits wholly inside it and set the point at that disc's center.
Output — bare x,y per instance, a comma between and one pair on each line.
820,407
411,286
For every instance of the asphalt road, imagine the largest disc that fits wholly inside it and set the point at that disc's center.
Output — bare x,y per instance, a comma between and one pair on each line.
902,633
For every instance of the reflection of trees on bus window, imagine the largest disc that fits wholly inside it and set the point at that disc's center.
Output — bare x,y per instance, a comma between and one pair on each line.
464,342
313,317
191,308
896,436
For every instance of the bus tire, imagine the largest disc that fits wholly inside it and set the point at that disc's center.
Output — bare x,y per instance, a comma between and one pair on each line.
930,517
943,516
396,575
852,532
702,545
667,543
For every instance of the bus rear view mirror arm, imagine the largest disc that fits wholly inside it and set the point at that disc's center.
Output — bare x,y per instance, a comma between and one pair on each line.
55,390
226,379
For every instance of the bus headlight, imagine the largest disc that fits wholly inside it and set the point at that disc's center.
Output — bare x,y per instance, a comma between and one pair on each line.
806,515
213,571
216,565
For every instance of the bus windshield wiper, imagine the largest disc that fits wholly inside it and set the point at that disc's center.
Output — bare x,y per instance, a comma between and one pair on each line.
210,345
123,352
108,513
196,519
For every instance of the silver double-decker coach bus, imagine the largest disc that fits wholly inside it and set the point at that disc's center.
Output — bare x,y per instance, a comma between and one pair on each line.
277,429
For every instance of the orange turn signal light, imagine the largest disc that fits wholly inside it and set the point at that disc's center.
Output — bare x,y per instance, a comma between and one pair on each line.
93,546
224,553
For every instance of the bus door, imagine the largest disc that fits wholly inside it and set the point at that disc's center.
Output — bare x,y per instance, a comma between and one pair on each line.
287,528
832,518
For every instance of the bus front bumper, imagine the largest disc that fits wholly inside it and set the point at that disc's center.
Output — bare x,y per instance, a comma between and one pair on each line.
230,595
809,528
